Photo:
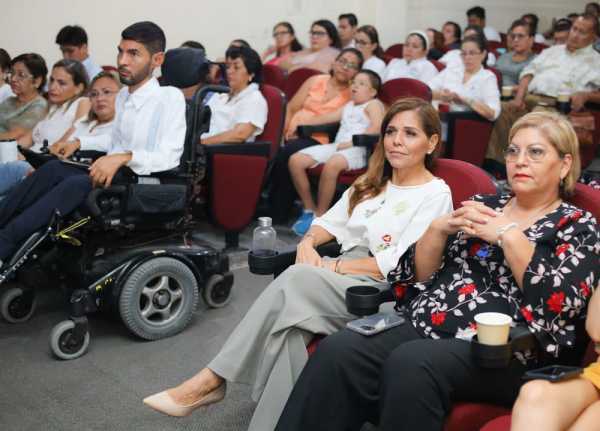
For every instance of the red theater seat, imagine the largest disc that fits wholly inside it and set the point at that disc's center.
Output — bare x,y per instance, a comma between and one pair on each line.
274,76
295,80
394,51
404,87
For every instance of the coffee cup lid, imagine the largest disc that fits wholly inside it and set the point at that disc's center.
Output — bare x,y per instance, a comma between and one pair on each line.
493,319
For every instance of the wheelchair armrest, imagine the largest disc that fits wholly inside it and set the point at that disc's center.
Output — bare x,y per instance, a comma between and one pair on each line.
91,202
277,263
242,149
306,131
87,156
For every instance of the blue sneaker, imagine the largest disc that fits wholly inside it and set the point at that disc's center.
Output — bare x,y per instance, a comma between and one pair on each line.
303,223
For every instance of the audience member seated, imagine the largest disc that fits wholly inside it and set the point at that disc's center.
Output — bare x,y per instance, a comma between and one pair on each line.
386,210
324,48
453,59
363,114
525,255
573,404
476,17
560,31
593,8
73,42
436,44
532,20
194,44
414,63
471,87
148,137
240,115
68,83
93,133
511,63
186,69
286,44
452,35
366,40
5,91
574,67
319,95
21,112
347,23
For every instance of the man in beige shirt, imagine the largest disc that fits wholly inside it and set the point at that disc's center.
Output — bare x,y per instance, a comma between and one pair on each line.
573,68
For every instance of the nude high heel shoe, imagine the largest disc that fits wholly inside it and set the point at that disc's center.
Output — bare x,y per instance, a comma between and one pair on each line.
163,402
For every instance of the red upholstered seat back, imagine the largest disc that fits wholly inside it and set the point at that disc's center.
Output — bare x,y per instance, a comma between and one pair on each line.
273,130
464,179
538,47
587,198
295,80
395,51
399,88
498,76
273,75
468,139
438,65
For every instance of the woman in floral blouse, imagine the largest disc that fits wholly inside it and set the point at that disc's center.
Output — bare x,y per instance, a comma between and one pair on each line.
375,221
530,255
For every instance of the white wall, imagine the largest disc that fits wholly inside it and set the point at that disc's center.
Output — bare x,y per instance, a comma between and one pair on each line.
31,25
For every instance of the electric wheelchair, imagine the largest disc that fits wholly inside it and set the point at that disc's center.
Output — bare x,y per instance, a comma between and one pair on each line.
133,249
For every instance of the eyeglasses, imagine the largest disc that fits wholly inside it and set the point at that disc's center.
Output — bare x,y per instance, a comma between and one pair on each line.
106,93
532,153
347,64
18,76
358,42
470,53
317,33
280,33
517,36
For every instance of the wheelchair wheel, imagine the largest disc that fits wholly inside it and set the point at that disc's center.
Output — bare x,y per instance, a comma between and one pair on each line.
158,299
64,344
16,305
217,291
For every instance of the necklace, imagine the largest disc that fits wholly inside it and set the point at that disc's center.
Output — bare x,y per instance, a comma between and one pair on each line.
532,218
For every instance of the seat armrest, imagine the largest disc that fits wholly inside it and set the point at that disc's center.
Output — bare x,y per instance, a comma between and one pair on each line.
368,141
521,339
242,149
305,131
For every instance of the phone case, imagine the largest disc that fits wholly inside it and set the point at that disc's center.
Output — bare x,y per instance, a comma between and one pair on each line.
553,373
375,323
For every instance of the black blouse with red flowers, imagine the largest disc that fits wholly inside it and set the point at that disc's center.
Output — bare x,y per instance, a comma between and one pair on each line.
475,278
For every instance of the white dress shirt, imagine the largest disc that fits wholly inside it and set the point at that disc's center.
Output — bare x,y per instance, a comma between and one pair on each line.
91,68
375,64
248,106
483,87
421,69
557,69
491,34
92,136
388,223
150,123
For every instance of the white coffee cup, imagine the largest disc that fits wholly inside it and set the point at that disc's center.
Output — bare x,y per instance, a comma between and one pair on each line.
8,151
493,328
563,97
507,91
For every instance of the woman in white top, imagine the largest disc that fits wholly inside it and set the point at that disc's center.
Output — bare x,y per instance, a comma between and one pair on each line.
68,83
363,114
366,40
452,58
375,221
241,114
414,63
470,88
93,133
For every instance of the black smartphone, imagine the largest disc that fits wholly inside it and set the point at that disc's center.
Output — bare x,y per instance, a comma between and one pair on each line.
553,373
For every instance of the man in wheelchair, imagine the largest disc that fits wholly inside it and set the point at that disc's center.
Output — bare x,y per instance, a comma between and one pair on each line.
138,186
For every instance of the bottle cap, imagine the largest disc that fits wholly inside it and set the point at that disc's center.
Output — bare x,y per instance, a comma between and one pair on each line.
265,221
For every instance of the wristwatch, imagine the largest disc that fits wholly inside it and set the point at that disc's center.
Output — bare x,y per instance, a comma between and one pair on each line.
502,230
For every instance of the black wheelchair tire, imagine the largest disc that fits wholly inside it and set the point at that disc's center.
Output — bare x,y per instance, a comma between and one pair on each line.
11,308
216,293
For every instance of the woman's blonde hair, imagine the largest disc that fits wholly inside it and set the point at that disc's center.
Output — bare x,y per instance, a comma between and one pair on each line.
379,171
104,74
560,134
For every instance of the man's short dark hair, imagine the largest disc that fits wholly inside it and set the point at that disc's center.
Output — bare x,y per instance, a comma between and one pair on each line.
72,35
522,23
352,20
4,60
593,19
193,44
477,11
250,58
148,34
534,21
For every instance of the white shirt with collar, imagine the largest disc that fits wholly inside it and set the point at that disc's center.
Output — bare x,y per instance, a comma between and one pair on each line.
557,69
248,106
91,68
150,123
483,87
491,34
421,69
91,135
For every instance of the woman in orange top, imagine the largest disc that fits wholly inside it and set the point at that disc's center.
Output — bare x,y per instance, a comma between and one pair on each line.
320,94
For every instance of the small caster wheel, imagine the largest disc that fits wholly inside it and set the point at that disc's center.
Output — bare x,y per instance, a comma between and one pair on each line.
64,342
217,290
16,304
